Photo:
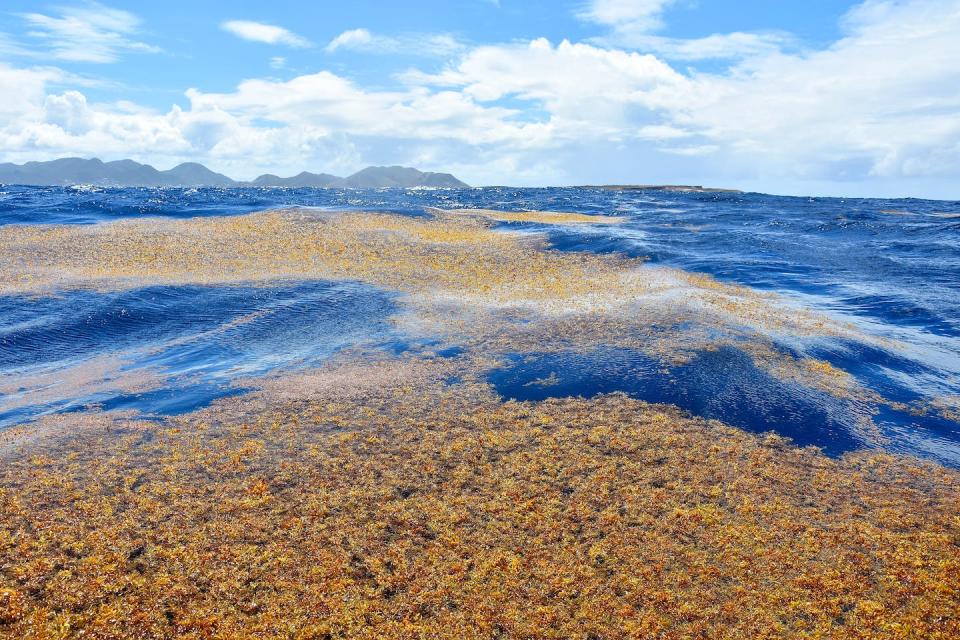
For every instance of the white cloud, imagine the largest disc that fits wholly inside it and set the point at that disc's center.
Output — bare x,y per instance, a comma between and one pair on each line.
661,132
351,39
265,33
69,111
884,101
580,92
22,90
87,33
437,44
736,45
696,150
10,47
636,16
634,23
325,103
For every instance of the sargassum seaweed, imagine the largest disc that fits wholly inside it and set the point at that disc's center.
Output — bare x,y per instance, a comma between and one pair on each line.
374,500
460,278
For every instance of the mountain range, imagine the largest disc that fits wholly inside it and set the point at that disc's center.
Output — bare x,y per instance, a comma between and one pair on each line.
127,173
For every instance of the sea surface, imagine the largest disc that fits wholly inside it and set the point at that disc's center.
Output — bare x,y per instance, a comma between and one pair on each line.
890,267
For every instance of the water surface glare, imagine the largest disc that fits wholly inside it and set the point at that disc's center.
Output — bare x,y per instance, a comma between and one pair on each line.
170,349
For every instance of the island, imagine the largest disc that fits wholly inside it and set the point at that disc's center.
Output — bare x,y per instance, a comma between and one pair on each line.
128,173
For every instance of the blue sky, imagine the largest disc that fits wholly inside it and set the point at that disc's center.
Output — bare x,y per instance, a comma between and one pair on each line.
821,97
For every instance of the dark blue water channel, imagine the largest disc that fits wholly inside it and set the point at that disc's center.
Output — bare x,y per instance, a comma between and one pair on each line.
725,385
200,338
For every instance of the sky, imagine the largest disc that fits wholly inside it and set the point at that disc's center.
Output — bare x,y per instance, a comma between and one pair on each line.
823,97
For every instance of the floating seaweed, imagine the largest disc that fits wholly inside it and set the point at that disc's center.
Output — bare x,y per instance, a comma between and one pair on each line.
398,495
407,507
462,278
540,217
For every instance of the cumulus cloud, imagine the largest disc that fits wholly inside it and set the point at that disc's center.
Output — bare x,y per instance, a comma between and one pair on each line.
86,33
22,90
325,103
265,33
575,91
883,101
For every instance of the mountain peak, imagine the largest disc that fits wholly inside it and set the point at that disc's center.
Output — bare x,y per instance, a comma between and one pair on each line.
129,173
397,176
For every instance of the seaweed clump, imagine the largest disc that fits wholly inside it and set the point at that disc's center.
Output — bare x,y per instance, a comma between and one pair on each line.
459,278
384,503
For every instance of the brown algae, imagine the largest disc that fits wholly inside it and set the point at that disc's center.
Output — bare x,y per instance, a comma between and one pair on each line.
409,508
541,217
461,278
400,497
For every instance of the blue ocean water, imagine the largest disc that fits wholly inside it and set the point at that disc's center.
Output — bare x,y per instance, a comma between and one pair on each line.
194,341
892,267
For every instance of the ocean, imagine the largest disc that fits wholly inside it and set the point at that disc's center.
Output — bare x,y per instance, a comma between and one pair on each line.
886,271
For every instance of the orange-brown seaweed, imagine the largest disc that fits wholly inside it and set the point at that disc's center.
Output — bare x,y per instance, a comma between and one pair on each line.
400,497
404,507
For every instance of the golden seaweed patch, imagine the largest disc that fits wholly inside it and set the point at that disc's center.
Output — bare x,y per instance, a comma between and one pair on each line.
463,280
542,217
375,501
948,407
401,253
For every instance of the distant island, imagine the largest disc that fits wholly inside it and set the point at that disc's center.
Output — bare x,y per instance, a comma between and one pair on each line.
674,188
128,173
